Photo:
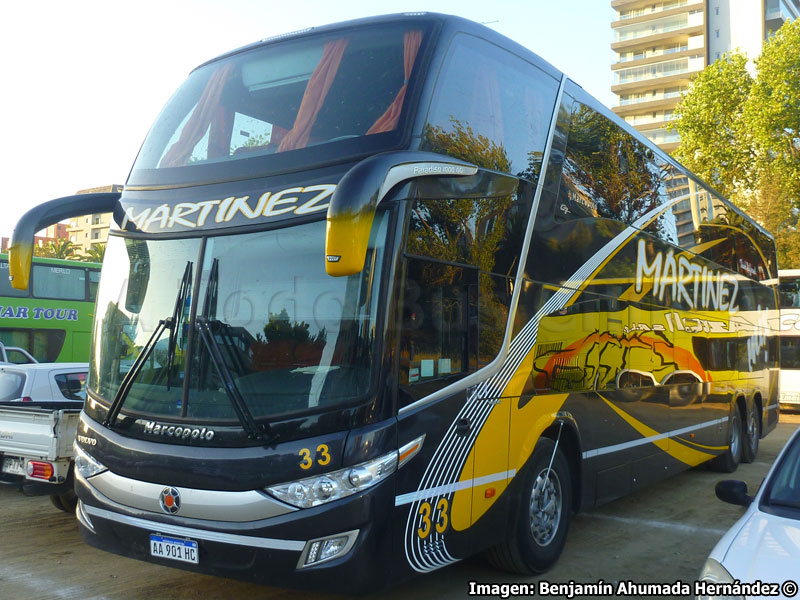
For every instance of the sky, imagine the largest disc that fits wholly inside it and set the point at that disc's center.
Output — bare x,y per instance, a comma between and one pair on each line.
84,80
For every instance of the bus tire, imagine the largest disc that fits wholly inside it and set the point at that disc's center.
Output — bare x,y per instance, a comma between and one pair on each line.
542,518
66,501
728,461
752,435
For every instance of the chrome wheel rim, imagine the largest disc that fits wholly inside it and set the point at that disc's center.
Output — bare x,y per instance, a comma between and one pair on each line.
735,435
752,430
545,507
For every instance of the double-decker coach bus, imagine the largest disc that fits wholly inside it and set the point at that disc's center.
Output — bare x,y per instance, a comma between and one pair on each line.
389,293
790,337
52,319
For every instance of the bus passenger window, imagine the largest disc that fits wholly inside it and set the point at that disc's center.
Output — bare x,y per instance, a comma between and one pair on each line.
5,283
60,283
606,173
94,279
490,108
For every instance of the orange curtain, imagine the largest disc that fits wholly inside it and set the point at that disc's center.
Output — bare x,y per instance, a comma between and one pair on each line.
202,117
219,137
317,89
388,120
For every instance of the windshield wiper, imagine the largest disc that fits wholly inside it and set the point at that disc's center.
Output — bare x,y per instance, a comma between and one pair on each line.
207,334
170,323
177,312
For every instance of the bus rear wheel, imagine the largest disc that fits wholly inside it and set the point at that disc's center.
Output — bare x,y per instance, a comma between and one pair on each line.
543,514
752,435
728,462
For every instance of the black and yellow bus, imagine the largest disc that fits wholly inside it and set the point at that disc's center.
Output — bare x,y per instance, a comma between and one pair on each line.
386,294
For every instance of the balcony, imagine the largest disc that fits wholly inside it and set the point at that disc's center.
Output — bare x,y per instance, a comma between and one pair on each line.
675,73
777,12
672,30
661,136
658,70
651,9
647,54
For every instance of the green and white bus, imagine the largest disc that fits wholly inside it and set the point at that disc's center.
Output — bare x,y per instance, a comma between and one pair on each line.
52,319
386,294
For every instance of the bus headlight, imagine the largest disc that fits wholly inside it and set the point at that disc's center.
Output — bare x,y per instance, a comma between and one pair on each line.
85,464
314,491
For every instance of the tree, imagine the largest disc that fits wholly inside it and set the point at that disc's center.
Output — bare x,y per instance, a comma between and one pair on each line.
742,134
95,253
59,248
772,112
715,143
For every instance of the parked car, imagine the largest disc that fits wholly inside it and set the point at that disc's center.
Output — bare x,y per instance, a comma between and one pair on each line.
763,547
40,408
43,382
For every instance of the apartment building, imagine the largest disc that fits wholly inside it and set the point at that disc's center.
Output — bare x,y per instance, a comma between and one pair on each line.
661,45
87,230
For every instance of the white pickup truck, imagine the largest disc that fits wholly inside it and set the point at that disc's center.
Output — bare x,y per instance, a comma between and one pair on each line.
40,406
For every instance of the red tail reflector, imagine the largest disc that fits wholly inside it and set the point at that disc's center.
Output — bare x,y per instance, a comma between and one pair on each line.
39,470
27,399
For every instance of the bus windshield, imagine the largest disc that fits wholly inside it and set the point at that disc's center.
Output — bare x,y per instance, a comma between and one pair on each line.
291,338
286,103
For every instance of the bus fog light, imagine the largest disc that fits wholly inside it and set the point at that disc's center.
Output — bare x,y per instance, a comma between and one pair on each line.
324,549
314,491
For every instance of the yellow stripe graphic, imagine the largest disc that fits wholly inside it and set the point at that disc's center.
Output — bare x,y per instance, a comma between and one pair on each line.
678,451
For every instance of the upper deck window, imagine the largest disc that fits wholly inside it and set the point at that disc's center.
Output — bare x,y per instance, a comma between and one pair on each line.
490,108
285,104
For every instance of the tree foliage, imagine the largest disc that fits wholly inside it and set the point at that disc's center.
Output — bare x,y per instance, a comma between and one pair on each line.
742,134
58,248
95,253
772,111
714,139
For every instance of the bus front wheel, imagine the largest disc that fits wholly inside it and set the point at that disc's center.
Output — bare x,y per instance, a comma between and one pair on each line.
540,525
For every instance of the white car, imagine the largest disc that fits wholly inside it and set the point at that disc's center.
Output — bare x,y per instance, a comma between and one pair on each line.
43,382
763,547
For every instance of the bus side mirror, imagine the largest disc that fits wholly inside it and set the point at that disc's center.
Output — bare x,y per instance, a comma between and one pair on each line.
20,252
356,197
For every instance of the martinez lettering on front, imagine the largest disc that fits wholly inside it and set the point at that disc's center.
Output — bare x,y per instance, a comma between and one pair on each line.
296,200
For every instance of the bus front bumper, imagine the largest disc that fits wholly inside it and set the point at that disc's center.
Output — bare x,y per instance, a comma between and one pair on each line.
274,551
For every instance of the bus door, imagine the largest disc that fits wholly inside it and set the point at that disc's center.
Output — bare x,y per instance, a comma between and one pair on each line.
458,263
438,346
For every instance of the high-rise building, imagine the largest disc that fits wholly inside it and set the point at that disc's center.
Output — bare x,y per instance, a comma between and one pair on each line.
87,230
661,45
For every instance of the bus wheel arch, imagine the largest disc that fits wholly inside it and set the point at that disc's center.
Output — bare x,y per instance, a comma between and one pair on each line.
752,429
569,443
543,507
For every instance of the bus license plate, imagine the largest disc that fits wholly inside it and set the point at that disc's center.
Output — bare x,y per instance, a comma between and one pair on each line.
173,548
14,465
